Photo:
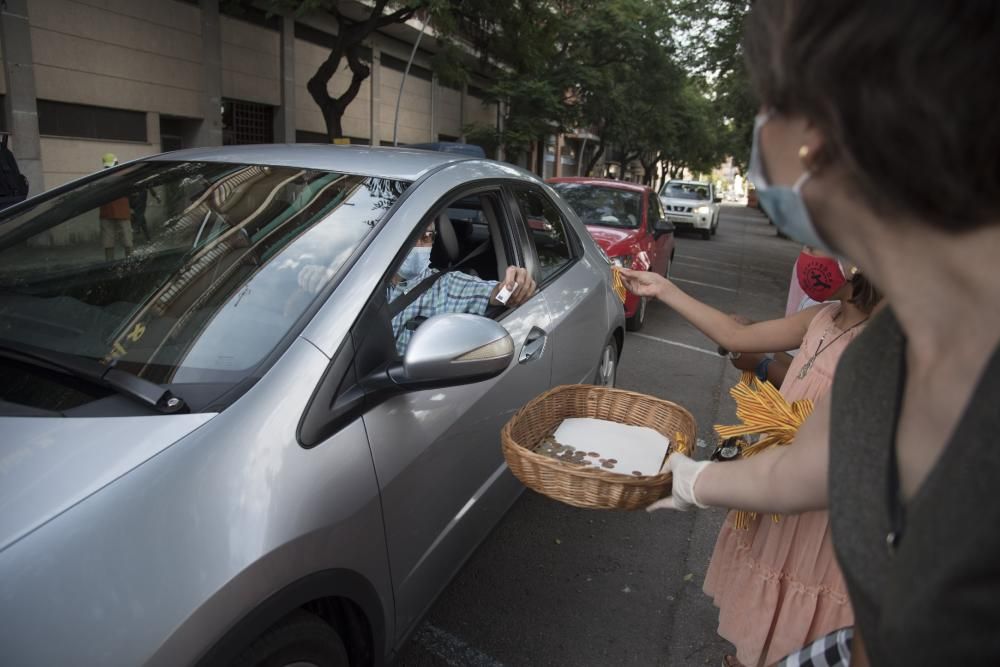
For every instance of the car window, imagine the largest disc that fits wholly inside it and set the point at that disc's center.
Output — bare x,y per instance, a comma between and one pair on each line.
181,271
655,211
467,268
547,231
684,190
603,206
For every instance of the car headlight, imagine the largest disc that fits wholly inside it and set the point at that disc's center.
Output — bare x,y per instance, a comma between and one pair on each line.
622,261
702,210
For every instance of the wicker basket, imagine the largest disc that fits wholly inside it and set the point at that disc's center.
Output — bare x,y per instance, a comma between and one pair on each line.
585,486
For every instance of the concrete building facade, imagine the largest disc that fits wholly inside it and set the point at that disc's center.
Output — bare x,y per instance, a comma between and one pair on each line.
138,77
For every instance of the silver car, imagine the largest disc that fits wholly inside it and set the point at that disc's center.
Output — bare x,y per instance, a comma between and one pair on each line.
216,446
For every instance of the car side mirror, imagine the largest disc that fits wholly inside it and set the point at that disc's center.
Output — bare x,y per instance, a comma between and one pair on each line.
454,348
445,350
717,200
663,226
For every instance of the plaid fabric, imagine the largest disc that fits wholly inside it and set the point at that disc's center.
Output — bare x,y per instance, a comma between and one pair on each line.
455,292
833,650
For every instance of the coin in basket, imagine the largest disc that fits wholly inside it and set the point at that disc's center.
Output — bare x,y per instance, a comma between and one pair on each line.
593,455
637,473
612,460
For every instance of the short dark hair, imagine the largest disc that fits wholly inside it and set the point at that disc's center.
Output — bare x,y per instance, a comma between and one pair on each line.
904,92
864,294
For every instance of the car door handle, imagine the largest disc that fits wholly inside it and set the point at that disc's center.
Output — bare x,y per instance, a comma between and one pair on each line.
534,345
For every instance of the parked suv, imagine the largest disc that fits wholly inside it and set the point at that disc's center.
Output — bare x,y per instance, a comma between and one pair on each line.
692,205
235,443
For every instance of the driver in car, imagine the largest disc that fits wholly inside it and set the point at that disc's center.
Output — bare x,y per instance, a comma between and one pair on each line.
453,292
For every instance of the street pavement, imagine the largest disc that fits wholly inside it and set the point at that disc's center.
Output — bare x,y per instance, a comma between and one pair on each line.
556,585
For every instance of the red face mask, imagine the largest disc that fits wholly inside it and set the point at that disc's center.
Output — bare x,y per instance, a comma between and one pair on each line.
819,277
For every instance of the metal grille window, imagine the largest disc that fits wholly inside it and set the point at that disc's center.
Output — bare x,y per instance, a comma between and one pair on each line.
247,123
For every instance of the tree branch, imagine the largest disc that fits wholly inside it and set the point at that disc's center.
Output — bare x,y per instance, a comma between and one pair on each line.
398,16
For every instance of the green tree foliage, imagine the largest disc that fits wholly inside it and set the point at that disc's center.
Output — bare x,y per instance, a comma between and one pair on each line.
635,72
714,30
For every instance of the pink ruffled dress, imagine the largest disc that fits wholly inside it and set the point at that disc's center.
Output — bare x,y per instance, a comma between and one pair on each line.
777,585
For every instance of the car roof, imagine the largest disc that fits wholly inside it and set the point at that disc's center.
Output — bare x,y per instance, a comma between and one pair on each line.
395,163
603,182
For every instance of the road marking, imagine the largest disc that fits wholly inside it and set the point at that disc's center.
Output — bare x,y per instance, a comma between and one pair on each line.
451,649
695,282
693,348
693,265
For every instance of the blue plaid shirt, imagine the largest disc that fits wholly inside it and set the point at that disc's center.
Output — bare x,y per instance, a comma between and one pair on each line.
455,292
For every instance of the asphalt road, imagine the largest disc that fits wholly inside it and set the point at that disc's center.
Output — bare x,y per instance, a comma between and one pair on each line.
556,585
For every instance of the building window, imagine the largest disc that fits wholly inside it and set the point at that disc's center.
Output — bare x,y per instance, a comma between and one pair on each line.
317,37
62,119
247,123
399,65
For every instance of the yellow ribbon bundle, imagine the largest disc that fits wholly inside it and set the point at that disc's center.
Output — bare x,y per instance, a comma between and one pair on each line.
617,286
763,410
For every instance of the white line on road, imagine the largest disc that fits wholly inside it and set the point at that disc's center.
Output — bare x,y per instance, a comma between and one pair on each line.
695,258
676,344
451,649
716,269
695,282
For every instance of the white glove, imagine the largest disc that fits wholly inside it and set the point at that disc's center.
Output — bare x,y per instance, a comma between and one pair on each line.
685,474
313,277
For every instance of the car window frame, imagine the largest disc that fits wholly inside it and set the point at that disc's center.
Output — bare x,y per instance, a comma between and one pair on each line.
528,241
513,248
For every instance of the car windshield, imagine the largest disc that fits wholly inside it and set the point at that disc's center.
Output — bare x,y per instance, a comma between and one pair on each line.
597,205
180,272
683,190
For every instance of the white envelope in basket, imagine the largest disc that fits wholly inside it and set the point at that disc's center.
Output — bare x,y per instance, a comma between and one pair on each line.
635,448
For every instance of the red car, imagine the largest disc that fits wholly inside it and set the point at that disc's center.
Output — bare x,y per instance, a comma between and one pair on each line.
628,222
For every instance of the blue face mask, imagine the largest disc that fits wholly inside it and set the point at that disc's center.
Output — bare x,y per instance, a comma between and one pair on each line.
783,204
415,263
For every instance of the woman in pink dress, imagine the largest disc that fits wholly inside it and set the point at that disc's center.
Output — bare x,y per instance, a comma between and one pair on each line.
777,584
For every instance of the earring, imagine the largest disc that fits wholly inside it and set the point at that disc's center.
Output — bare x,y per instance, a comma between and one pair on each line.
803,152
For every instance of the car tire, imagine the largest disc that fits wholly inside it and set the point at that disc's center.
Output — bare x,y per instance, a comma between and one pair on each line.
299,639
635,322
706,234
715,227
607,367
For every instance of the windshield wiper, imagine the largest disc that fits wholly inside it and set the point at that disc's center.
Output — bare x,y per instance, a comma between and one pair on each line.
125,383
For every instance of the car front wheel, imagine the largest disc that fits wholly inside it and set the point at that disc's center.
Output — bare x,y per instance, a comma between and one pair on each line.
301,639
607,370
635,322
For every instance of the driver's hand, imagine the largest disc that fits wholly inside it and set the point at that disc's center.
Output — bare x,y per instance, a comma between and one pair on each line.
526,287
312,277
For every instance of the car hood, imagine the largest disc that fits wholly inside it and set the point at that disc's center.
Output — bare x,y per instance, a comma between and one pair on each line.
612,240
47,465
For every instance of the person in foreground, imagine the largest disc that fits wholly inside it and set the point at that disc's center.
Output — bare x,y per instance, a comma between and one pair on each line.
878,139
777,585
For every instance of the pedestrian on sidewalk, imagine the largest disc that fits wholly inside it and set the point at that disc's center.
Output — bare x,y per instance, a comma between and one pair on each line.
116,219
777,585
860,148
